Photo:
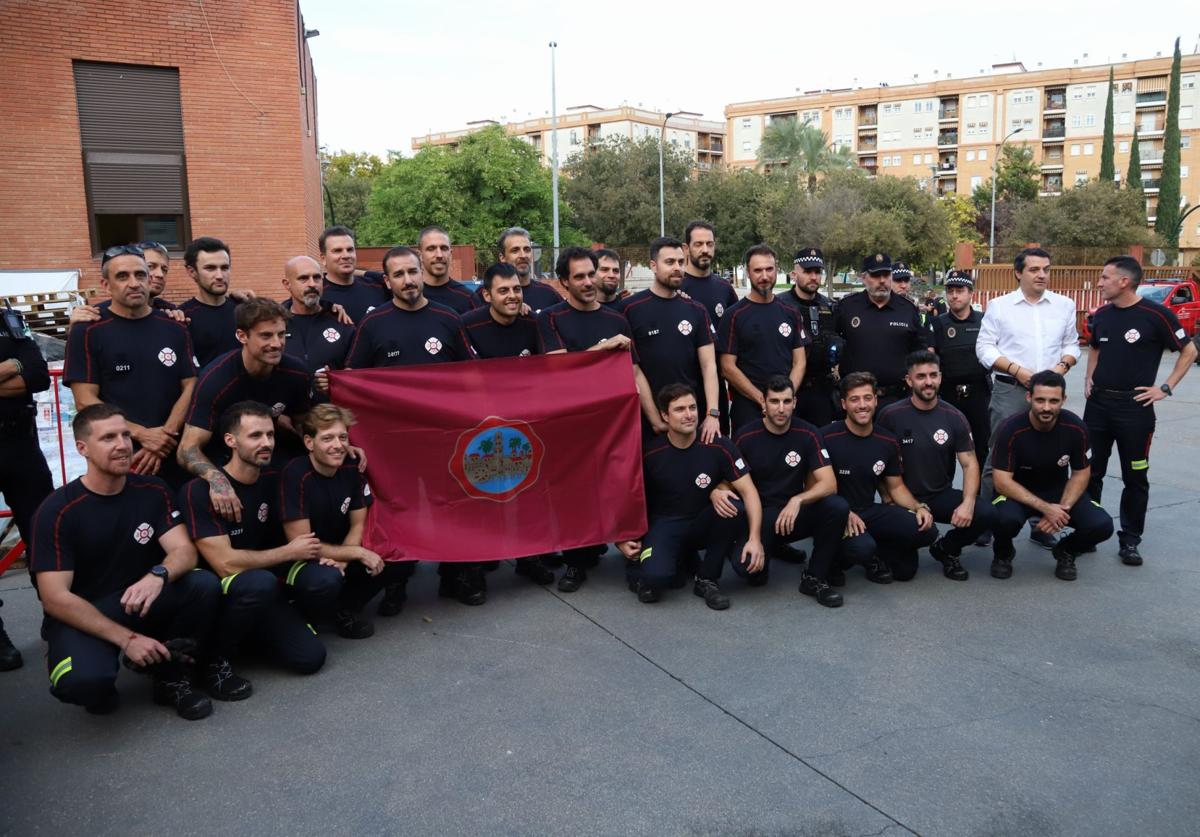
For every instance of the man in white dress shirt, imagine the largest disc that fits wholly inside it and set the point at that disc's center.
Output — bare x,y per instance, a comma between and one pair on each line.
1024,332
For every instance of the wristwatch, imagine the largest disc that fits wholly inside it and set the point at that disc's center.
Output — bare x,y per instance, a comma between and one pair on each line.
714,412
1167,389
160,572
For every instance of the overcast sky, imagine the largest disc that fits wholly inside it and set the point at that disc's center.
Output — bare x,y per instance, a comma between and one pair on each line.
389,71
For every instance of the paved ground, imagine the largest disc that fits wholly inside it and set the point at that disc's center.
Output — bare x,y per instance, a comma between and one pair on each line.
1025,707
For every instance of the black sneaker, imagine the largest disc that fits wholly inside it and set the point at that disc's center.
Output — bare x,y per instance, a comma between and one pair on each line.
1002,564
951,567
878,572
10,657
1128,552
1065,564
711,593
222,683
572,579
836,578
350,625
394,597
648,595
176,690
534,570
472,587
810,585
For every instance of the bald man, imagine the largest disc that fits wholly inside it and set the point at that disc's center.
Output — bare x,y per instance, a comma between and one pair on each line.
315,337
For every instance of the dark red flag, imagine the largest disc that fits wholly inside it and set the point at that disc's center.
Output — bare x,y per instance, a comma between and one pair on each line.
498,458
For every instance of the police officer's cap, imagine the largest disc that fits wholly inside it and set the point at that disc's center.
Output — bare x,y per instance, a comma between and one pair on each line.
810,257
900,272
959,279
877,263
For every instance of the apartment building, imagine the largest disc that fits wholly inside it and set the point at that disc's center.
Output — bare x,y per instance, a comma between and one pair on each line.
946,133
158,120
578,127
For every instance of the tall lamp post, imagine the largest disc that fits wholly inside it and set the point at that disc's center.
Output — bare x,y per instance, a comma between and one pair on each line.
662,217
554,146
995,170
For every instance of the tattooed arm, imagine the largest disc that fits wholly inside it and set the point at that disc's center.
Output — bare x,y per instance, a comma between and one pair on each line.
191,457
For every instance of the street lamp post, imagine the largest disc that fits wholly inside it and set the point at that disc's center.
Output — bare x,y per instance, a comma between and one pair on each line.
662,216
995,170
554,145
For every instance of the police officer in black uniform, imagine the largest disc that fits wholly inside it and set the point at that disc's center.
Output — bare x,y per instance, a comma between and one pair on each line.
880,328
966,383
817,400
1128,338
24,477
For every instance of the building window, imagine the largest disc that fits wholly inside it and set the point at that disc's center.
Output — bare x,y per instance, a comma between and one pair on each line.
1074,150
1088,149
1091,91
1185,142
976,182
896,160
1187,82
1089,120
131,134
1185,112
1123,147
1028,98
983,154
971,101
1028,123
1124,118
884,162
970,156
1075,121
983,126
745,121
1016,99
929,107
1076,92
929,159
1080,177
1183,171
746,145
916,159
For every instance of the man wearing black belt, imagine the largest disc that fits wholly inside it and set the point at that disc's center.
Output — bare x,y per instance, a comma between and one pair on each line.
1034,451
816,400
966,384
1128,338
24,478
880,329
758,338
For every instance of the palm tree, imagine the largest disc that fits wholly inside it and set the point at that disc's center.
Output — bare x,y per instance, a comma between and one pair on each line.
803,148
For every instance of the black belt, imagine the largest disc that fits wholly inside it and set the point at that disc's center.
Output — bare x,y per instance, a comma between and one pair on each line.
1118,393
1009,379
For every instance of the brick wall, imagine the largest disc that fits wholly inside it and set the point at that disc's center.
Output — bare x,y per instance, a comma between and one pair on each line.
252,170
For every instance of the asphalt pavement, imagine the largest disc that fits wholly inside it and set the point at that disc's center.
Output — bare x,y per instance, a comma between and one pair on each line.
1023,707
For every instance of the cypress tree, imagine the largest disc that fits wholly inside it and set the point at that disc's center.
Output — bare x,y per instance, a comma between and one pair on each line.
1166,219
1133,178
1108,166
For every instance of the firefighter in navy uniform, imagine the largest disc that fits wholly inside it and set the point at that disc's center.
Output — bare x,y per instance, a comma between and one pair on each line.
24,478
966,383
817,399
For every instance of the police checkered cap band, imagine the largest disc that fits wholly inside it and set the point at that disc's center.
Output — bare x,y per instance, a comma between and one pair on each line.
901,273
815,261
959,280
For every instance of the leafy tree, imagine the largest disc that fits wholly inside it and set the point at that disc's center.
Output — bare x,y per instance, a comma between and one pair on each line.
1133,177
727,199
1108,167
1017,179
1095,214
348,177
612,188
804,149
851,215
1167,216
489,182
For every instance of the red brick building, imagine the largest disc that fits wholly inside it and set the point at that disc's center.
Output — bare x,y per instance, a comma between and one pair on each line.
127,120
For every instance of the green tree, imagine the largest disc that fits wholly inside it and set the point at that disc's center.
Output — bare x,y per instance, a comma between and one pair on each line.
1133,177
1018,178
1108,166
851,215
491,181
612,188
1167,216
1093,215
348,177
727,198
804,149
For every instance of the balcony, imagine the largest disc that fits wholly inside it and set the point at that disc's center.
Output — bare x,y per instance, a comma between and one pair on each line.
1056,99
1053,129
1150,185
867,145
947,138
868,117
948,109
1152,160
947,165
1157,99
1052,164
1151,129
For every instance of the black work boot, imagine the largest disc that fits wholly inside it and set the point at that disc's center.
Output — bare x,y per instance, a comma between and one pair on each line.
173,687
221,682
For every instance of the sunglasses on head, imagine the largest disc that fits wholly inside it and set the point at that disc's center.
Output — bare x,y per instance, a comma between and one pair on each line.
121,250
